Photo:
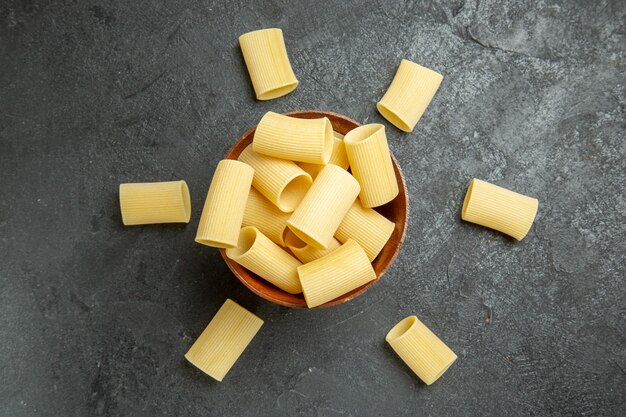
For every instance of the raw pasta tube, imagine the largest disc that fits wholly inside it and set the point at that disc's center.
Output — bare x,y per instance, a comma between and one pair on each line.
335,274
311,169
155,202
295,139
282,182
265,258
339,157
268,64
330,197
224,340
420,349
498,208
307,253
370,161
367,227
266,217
225,204
410,92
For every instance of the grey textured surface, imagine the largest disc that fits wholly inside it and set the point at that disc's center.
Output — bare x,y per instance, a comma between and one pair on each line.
95,317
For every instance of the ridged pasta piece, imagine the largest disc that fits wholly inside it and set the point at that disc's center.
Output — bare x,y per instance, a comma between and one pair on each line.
155,202
335,274
330,197
282,182
410,92
303,251
225,204
339,157
294,139
367,227
498,208
311,169
266,217
259,254
370,162
420,349
225,338
268,63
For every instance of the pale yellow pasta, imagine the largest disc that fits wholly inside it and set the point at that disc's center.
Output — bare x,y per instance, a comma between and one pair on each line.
225,204
155,202
370,162
224,340
311,169
410,92
303,251
498,208
268,63
295,139
259,254
330,197
339,157
367,227
335,274
266,217
282,182
420,349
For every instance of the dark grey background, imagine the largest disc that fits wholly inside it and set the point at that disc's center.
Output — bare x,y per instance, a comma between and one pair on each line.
95,317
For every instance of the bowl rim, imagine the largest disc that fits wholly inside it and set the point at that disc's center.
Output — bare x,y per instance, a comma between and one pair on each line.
235,267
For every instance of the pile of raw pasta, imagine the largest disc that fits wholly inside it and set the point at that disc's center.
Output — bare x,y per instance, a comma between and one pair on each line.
297,208
304,231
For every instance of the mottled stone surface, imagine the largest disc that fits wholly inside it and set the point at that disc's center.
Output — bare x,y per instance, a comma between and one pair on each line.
95,317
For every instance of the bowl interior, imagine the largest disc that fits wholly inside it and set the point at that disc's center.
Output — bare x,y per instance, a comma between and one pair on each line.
396,210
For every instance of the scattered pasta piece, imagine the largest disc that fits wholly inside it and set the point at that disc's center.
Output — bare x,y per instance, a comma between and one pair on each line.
339,157
155,202
225,204
295,139
367,227
319,214
307,253
410,92
268,64
370,162
498,208
224,340
335,274
266,217
282,182
420,349
259,254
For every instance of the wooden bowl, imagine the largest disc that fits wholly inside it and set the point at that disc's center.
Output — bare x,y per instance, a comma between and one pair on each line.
396,210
